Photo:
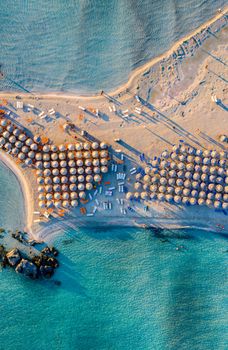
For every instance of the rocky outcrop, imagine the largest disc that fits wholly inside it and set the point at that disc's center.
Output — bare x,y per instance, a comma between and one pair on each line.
31,263
51,251
27,268
13,257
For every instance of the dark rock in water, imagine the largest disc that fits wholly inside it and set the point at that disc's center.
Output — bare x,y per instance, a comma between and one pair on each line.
27,268
13,257
57,283
46,271
50,251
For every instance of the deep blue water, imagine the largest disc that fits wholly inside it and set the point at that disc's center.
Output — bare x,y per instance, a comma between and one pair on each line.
89,45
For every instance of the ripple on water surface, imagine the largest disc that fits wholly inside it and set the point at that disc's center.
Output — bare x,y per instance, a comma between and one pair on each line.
122,289
86,46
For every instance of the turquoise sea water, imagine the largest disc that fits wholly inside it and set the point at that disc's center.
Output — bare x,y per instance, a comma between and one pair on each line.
11,200
122,288
89,45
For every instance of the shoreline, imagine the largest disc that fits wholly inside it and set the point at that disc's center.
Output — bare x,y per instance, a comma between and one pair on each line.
129,84
25,189
150,132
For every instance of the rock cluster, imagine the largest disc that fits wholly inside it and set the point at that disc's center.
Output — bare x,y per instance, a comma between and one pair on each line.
42,265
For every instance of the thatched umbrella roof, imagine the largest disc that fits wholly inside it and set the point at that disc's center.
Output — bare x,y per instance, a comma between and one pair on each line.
169,197
62,148
48,188
97,178
96,170
70,155
55,172
96,162
217,204
104,169
6,134
129,195
88,162
104,161
37,138
89,186
82,195
57,195
65,195
89,178
63,171
64,180
46,148
65,204
201,201
193,201
153,195
40,180
73,171
58,204
95,154
71,147
56,180
73,194
86,146
42,204
81,178
78,146
72,163
73,179
46,157
95,145
103,145
18,144
74,203
54,148
104,154
54,156
177,199
47,165
28,161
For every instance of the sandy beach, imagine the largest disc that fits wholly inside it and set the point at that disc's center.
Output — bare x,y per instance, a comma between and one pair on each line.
175,104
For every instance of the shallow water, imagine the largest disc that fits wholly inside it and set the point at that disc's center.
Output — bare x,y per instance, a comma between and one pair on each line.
89,45
11,200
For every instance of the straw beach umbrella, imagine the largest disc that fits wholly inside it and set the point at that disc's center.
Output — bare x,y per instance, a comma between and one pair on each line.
54,156
103,145
104,169
38,156
78,146
129,195
74,203
95,145
97,178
